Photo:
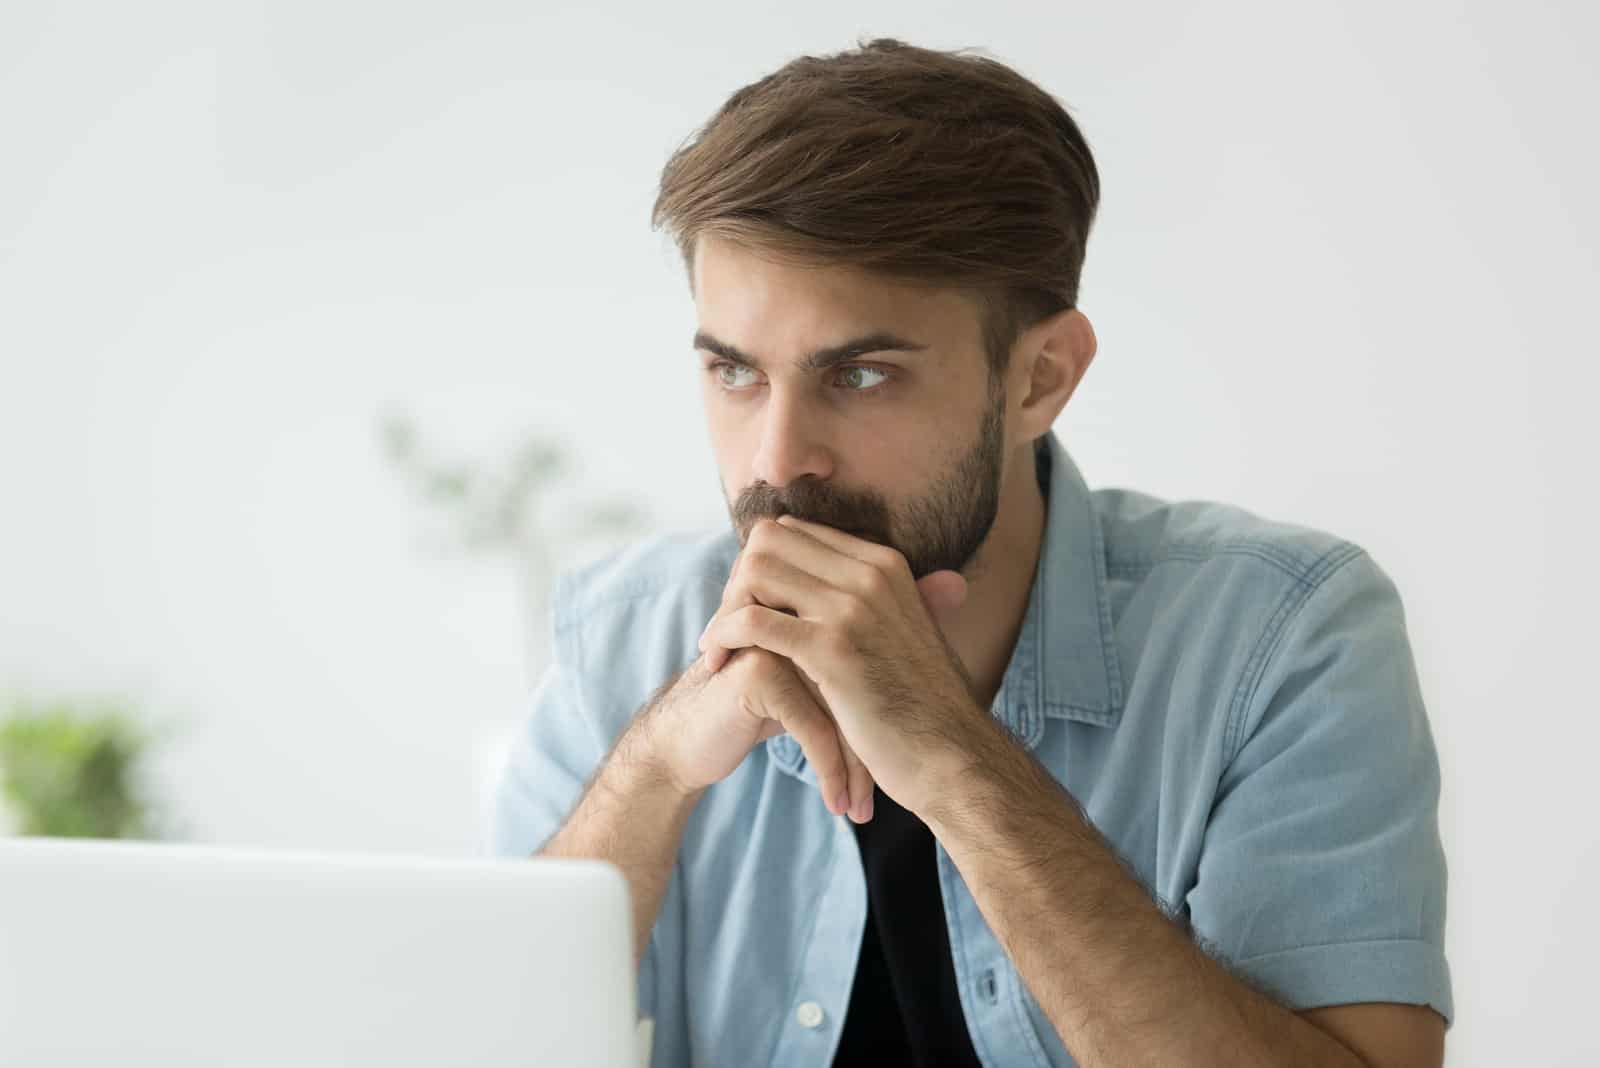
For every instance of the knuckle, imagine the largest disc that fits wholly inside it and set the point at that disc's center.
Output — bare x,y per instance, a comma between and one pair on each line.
731,621
762,532
890,559
854,611
875,583
761,665
749,658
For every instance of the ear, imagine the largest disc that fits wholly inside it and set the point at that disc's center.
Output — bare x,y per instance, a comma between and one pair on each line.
1047,364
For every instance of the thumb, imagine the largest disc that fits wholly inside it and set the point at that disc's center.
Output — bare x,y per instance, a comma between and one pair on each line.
943,592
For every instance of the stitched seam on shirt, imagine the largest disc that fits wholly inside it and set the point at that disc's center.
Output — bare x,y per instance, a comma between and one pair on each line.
637,592
574,633
1108,641
1336,945
1265,551
1272,636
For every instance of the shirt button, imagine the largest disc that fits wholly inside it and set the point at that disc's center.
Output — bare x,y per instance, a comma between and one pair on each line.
809,1014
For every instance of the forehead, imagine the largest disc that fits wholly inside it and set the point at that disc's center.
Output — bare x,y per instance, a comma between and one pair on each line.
742,293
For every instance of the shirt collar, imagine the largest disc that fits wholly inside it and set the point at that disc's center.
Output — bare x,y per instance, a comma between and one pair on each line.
1065,661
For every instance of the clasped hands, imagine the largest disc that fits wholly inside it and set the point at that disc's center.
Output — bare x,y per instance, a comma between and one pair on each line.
867,642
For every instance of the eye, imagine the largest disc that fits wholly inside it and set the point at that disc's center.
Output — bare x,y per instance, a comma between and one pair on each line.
851,376
857,370
722,368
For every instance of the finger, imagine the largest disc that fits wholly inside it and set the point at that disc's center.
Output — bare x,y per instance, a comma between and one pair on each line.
715,657
867,552
844,560
734,597
814,729
757,625
779,584
861,781
813,565
943,591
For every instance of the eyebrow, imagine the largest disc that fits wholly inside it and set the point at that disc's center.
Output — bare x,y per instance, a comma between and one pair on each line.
821,359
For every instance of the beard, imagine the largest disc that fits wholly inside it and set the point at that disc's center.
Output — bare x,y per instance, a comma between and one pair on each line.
941,530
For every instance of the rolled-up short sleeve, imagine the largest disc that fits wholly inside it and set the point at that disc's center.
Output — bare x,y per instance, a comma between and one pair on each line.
1322,876
546,769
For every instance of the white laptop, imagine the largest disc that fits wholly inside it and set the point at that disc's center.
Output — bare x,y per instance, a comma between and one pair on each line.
139,954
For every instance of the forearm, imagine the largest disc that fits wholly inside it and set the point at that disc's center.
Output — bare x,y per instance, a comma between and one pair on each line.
633,815
1120,981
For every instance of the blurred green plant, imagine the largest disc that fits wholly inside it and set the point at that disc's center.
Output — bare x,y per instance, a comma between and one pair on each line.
70,768
496,505
500,508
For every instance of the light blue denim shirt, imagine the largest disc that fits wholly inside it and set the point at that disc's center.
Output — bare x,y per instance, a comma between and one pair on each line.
1233,700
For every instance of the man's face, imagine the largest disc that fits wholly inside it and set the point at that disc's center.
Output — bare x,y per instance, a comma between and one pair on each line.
900,441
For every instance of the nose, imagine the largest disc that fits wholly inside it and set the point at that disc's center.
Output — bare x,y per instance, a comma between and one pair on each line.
793,443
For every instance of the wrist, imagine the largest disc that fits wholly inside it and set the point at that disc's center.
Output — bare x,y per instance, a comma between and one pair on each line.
961,772
972,777
649,761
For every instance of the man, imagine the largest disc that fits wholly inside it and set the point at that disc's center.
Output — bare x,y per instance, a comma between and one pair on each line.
938,757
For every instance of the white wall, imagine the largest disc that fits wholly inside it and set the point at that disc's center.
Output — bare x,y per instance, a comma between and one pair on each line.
1343,274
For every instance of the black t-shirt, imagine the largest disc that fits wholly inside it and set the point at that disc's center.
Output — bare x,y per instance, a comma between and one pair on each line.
904,1009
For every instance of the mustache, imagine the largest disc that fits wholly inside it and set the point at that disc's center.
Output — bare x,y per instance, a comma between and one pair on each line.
866,515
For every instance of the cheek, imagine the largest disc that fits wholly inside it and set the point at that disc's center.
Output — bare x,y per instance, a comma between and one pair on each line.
734,443
723,420
899,463
727,448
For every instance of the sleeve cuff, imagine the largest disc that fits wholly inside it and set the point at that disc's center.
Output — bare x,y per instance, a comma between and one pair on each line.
1404,970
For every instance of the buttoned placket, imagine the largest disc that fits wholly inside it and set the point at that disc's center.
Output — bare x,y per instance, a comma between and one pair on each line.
810,1031
987,985
986,982
1087,688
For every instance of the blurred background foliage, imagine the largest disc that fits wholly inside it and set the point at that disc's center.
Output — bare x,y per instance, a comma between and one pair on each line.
78,766
73,767
516,506
496,505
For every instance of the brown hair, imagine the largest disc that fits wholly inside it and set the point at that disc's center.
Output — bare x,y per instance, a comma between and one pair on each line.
928,167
